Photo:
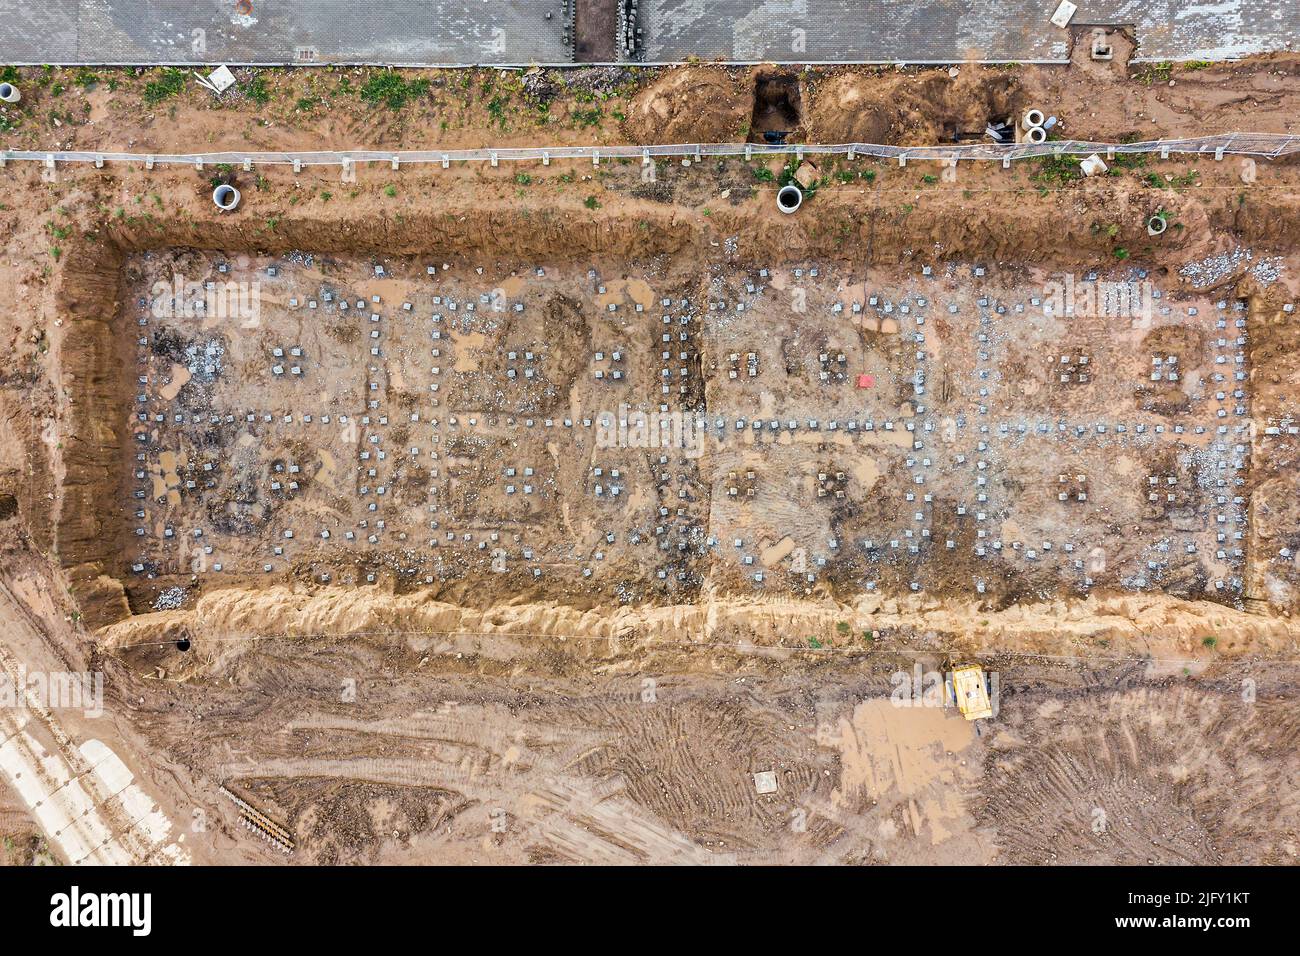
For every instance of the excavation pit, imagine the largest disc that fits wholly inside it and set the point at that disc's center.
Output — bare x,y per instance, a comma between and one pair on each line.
570,431
778,107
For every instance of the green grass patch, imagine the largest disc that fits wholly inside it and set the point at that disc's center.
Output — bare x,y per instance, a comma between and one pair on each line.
169,83
1156,181
392,91
258,91
497,110
1056,170
1156,73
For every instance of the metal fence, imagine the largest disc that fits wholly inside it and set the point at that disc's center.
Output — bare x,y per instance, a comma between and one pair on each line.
1266,145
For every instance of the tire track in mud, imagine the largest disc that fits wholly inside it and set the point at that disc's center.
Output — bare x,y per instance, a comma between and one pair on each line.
607,767
1170,775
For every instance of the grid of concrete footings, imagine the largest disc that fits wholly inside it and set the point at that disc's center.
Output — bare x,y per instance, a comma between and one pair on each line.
647,432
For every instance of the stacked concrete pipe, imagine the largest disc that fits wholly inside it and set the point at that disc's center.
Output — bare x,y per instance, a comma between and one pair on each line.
1033,123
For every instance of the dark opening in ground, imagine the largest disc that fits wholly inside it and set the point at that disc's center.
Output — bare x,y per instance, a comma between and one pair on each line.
997,129
778,107
8,506
595,26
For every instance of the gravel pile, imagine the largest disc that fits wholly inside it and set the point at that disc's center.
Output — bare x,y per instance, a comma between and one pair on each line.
1212,270
170,599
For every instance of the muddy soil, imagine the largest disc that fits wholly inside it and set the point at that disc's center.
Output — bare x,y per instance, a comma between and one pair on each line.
347,108
399,724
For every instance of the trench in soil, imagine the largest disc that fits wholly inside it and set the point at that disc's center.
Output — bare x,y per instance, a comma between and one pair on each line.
742,486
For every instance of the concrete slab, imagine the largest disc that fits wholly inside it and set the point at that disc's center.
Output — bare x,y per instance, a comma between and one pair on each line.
111,775
76,818
430,32
953,30
412,32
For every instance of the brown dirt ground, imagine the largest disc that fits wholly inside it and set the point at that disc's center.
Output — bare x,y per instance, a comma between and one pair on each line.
498,731
325,109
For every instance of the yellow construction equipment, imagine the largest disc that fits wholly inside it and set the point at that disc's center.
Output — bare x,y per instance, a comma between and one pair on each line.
969,689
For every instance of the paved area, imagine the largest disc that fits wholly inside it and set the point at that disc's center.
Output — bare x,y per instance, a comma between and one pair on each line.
283,31
946,30
419,32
